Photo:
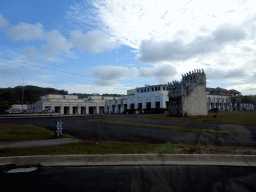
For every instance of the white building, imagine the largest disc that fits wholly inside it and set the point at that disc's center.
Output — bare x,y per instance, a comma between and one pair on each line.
224,100
155,96
70,104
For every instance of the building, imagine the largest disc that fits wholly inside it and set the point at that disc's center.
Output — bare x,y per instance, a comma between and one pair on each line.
188,96
224,100
70,104
147,97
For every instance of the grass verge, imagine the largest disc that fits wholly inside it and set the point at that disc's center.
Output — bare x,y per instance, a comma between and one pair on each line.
16,132
177,128
231,117
88,147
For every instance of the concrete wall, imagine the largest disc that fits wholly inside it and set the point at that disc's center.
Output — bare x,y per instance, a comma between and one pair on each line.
196,103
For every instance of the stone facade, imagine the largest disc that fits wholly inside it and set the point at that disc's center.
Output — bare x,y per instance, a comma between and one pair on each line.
188,97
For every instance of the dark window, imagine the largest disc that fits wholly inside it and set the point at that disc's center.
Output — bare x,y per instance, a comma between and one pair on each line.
152,89
163,88
138,91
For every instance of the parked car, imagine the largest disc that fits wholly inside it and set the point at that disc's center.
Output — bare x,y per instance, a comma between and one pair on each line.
248,109
214,110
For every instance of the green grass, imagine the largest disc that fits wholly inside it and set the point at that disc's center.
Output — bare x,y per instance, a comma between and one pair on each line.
88,147
16,132
176,128
231,117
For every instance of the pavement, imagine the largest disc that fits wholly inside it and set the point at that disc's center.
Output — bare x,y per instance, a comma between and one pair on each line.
83,128
132,160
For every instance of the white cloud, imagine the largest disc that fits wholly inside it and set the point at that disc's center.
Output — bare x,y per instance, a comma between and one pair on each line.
221,73
3,22
25,31
82,88
152,51
110,75
93,41
245,89
130,22
56,44
30,53
162,73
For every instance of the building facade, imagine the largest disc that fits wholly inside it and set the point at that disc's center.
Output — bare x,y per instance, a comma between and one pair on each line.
224,100
70,104
140,98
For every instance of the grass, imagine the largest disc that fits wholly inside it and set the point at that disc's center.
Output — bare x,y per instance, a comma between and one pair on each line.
88,147
230,117
16,132
176,128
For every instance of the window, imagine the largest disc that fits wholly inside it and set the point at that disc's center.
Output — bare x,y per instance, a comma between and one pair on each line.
138,91
152,89
155,88
163,88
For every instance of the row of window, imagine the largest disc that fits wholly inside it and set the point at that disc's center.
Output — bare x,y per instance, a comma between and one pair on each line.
152,89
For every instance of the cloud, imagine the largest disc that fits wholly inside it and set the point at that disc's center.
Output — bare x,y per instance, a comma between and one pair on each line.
6,72
151,51
25,31
110,75
217,74
56,44
93,41
3,22
162,73
30,53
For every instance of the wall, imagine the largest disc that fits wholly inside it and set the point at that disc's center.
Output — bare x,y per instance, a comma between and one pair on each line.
196,103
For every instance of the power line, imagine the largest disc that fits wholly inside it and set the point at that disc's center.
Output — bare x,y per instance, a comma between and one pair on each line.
70,73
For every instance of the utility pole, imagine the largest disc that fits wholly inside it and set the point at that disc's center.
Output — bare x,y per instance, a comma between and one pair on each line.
22,92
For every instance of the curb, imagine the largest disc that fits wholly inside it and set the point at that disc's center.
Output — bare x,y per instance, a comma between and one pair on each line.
131,160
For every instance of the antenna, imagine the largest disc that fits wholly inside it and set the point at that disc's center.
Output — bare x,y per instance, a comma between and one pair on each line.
22,92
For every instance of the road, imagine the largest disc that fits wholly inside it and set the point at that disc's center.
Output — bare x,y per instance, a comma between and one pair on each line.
133,178
83,128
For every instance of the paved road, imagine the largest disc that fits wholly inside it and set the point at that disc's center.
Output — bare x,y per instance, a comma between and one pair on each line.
132,178
83,128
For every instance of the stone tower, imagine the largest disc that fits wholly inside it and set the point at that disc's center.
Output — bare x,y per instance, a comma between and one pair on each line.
188,97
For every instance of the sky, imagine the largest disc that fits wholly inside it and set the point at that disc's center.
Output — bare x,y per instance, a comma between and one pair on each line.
109,46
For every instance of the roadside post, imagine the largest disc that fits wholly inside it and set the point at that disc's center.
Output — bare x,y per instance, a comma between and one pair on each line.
59,127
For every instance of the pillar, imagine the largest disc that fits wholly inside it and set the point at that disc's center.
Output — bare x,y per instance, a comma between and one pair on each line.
70,109
97,108
53,106
79,105
43,105
87,108
62,108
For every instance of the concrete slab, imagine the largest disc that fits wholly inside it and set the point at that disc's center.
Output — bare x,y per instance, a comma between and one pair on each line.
131,159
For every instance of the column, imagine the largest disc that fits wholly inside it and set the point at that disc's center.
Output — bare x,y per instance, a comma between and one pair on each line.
153,103
87,108
144,104
136,103
61,108
70,108
43,105
53,106
79,108
97,108
162,103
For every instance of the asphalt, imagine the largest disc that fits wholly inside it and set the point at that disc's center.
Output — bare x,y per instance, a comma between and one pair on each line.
81,127
140,172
